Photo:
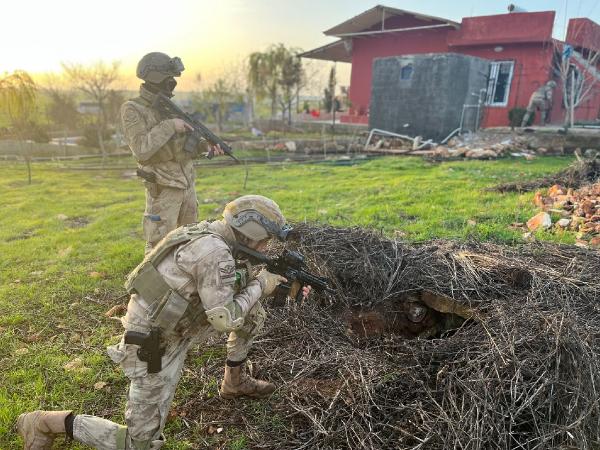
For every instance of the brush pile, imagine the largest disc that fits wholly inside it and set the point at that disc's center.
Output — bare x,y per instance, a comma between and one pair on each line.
522,372
580,173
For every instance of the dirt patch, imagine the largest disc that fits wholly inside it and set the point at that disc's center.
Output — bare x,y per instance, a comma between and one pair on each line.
77,222
21,236
422,314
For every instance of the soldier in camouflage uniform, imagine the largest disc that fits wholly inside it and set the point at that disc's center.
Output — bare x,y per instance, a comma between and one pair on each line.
187,289
541,99
157,144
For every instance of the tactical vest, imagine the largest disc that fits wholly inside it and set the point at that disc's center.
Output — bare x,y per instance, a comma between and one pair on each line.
172,151
166,306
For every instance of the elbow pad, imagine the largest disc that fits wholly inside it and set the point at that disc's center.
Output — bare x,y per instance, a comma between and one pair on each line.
221,319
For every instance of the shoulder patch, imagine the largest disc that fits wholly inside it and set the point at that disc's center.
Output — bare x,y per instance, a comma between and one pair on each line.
130,116
226,272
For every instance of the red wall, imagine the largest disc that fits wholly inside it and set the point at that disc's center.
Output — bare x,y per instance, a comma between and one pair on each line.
525,38
531,70
366,49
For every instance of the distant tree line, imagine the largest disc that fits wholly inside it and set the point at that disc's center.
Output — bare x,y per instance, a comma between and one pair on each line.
85,99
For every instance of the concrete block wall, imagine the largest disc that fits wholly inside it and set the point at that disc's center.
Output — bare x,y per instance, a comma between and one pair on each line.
430,100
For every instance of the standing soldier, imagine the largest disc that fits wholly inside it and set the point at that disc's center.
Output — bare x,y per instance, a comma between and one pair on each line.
185,290
157,144
541,99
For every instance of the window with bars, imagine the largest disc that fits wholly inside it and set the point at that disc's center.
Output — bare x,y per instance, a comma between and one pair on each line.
501,74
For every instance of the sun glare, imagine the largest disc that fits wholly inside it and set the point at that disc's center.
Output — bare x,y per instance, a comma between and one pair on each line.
43,34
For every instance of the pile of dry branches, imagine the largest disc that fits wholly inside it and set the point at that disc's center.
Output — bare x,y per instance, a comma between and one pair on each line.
576,175
524,374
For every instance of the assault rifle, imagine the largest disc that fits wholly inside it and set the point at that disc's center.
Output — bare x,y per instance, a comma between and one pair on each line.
290,265
165,106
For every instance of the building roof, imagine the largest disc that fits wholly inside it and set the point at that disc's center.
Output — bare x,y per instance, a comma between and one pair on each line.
504,29
585,33
339,51
366,20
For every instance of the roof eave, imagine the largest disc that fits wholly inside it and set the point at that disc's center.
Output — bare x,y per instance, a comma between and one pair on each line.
338,51
343,27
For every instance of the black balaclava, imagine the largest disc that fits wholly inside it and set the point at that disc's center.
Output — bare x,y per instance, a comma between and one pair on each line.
165,87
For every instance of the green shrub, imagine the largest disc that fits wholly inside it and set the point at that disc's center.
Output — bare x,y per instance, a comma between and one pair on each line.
90,137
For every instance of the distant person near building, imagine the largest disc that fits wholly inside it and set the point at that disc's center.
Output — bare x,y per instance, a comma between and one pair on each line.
541,99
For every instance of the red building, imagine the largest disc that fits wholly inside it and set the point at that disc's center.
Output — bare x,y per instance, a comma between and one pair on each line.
520,46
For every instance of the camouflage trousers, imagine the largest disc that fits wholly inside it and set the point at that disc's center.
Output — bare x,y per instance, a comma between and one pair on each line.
536,103
166,209
150,394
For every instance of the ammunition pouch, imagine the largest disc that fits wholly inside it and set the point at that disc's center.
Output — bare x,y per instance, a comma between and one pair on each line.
165,306
192,142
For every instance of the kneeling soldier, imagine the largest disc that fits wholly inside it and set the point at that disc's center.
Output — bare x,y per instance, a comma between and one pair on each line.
187,289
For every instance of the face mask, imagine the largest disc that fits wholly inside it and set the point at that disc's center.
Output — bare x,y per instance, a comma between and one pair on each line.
168,85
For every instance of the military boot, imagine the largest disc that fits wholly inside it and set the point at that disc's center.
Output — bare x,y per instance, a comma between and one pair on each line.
237,383
39,428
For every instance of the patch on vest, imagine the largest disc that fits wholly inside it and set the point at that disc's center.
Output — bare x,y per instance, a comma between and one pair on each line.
130,117
226,272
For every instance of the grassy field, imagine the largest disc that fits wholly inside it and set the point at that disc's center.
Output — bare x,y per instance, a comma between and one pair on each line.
68,240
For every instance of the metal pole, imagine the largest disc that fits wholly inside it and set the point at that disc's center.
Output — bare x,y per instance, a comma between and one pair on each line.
572,112
333,97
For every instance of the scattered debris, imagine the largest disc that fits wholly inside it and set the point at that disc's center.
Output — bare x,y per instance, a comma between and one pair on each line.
100,385
469,146
76,365
580,211
116,310
540,221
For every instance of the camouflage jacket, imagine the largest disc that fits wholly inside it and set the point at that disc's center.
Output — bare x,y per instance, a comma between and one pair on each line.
156,146
544,93
203,271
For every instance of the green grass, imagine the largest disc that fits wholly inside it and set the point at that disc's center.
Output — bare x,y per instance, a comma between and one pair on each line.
58,277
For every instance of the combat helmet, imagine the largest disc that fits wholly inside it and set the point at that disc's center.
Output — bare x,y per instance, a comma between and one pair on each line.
551,84
256,217
156,67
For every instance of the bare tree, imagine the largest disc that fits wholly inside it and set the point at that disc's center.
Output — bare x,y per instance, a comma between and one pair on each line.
290,82
579,74
312,78
213,101
62,106
220,94
96,82
18,95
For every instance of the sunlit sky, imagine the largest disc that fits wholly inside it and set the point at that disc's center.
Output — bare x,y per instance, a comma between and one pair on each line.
209,36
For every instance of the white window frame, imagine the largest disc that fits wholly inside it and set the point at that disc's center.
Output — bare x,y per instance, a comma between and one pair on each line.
492,83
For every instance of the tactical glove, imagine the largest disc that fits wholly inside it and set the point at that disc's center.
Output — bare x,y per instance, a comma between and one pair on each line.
269,281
